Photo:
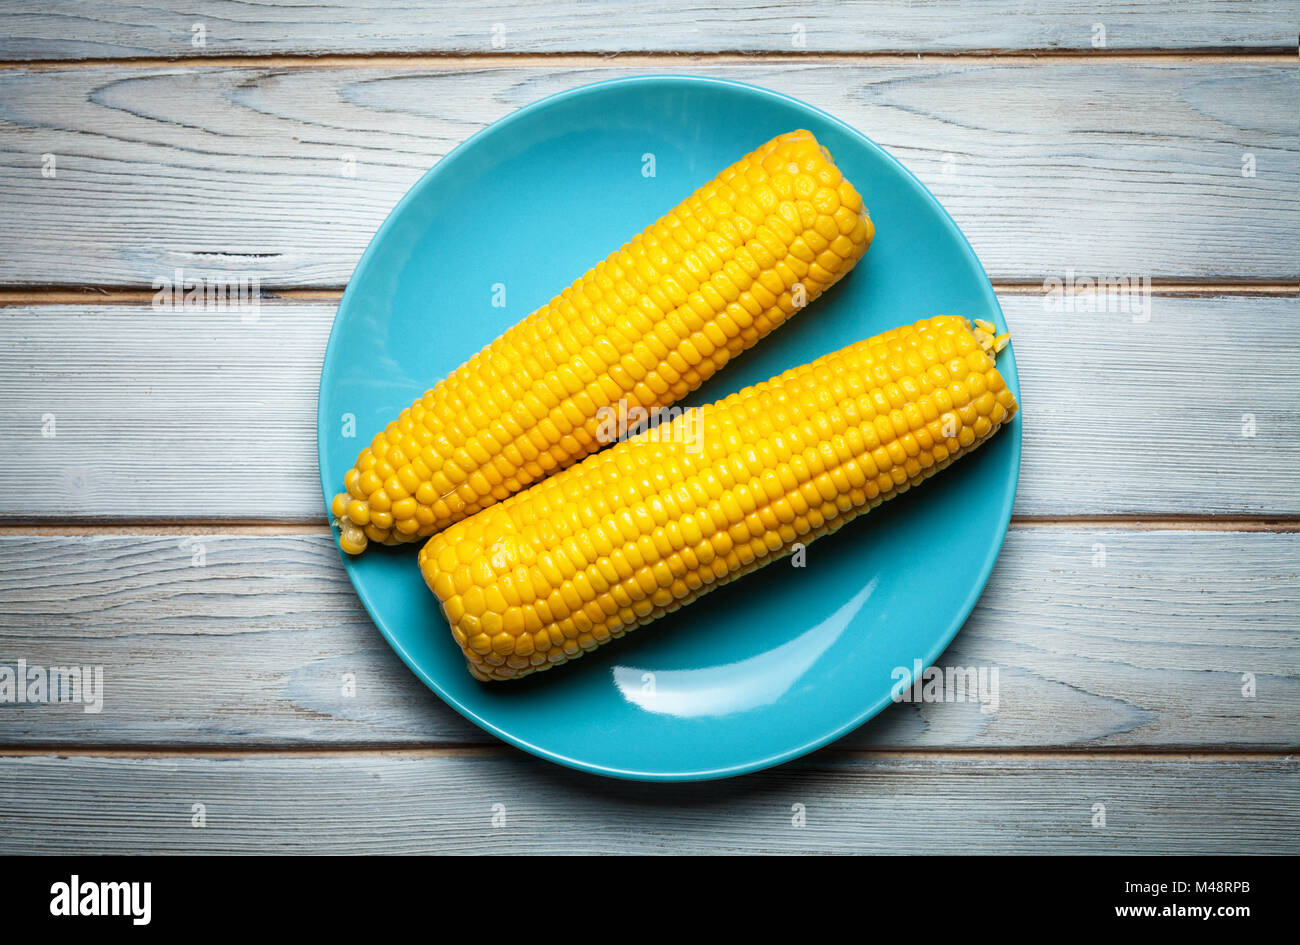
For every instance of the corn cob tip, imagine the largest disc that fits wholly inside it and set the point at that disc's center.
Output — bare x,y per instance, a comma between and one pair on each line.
352,538
989,340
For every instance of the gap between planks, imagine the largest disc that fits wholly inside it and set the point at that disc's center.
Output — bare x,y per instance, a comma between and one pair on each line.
506,751
218,526
16,296
464,61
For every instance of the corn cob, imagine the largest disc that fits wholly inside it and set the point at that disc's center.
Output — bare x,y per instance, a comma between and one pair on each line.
636,531
643,328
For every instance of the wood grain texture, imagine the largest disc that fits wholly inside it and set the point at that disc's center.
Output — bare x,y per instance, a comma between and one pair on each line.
1104,166
1047,166
193,415
250,649
70,29
446,805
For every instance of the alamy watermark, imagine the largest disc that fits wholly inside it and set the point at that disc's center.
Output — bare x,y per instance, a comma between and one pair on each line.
947,684
661,425
78,897
1094,294
234,292
84,685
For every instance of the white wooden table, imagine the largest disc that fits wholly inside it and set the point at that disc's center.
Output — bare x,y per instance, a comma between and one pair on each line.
160,511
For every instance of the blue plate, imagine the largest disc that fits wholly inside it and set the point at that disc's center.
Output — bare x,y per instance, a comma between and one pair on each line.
771,666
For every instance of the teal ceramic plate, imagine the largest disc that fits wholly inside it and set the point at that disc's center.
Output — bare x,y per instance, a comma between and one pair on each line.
771,666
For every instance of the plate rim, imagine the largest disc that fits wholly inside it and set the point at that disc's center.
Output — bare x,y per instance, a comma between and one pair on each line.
332,353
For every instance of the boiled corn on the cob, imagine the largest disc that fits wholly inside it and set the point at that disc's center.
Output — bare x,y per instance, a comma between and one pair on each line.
643,328
636,531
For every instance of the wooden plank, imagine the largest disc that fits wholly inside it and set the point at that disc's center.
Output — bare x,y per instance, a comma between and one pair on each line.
375,804
1048,166
72,29
1129,416
166,416
1148,650
186,394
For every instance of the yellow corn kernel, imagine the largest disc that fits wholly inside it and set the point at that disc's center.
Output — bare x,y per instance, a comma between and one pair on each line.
633,532
642,329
